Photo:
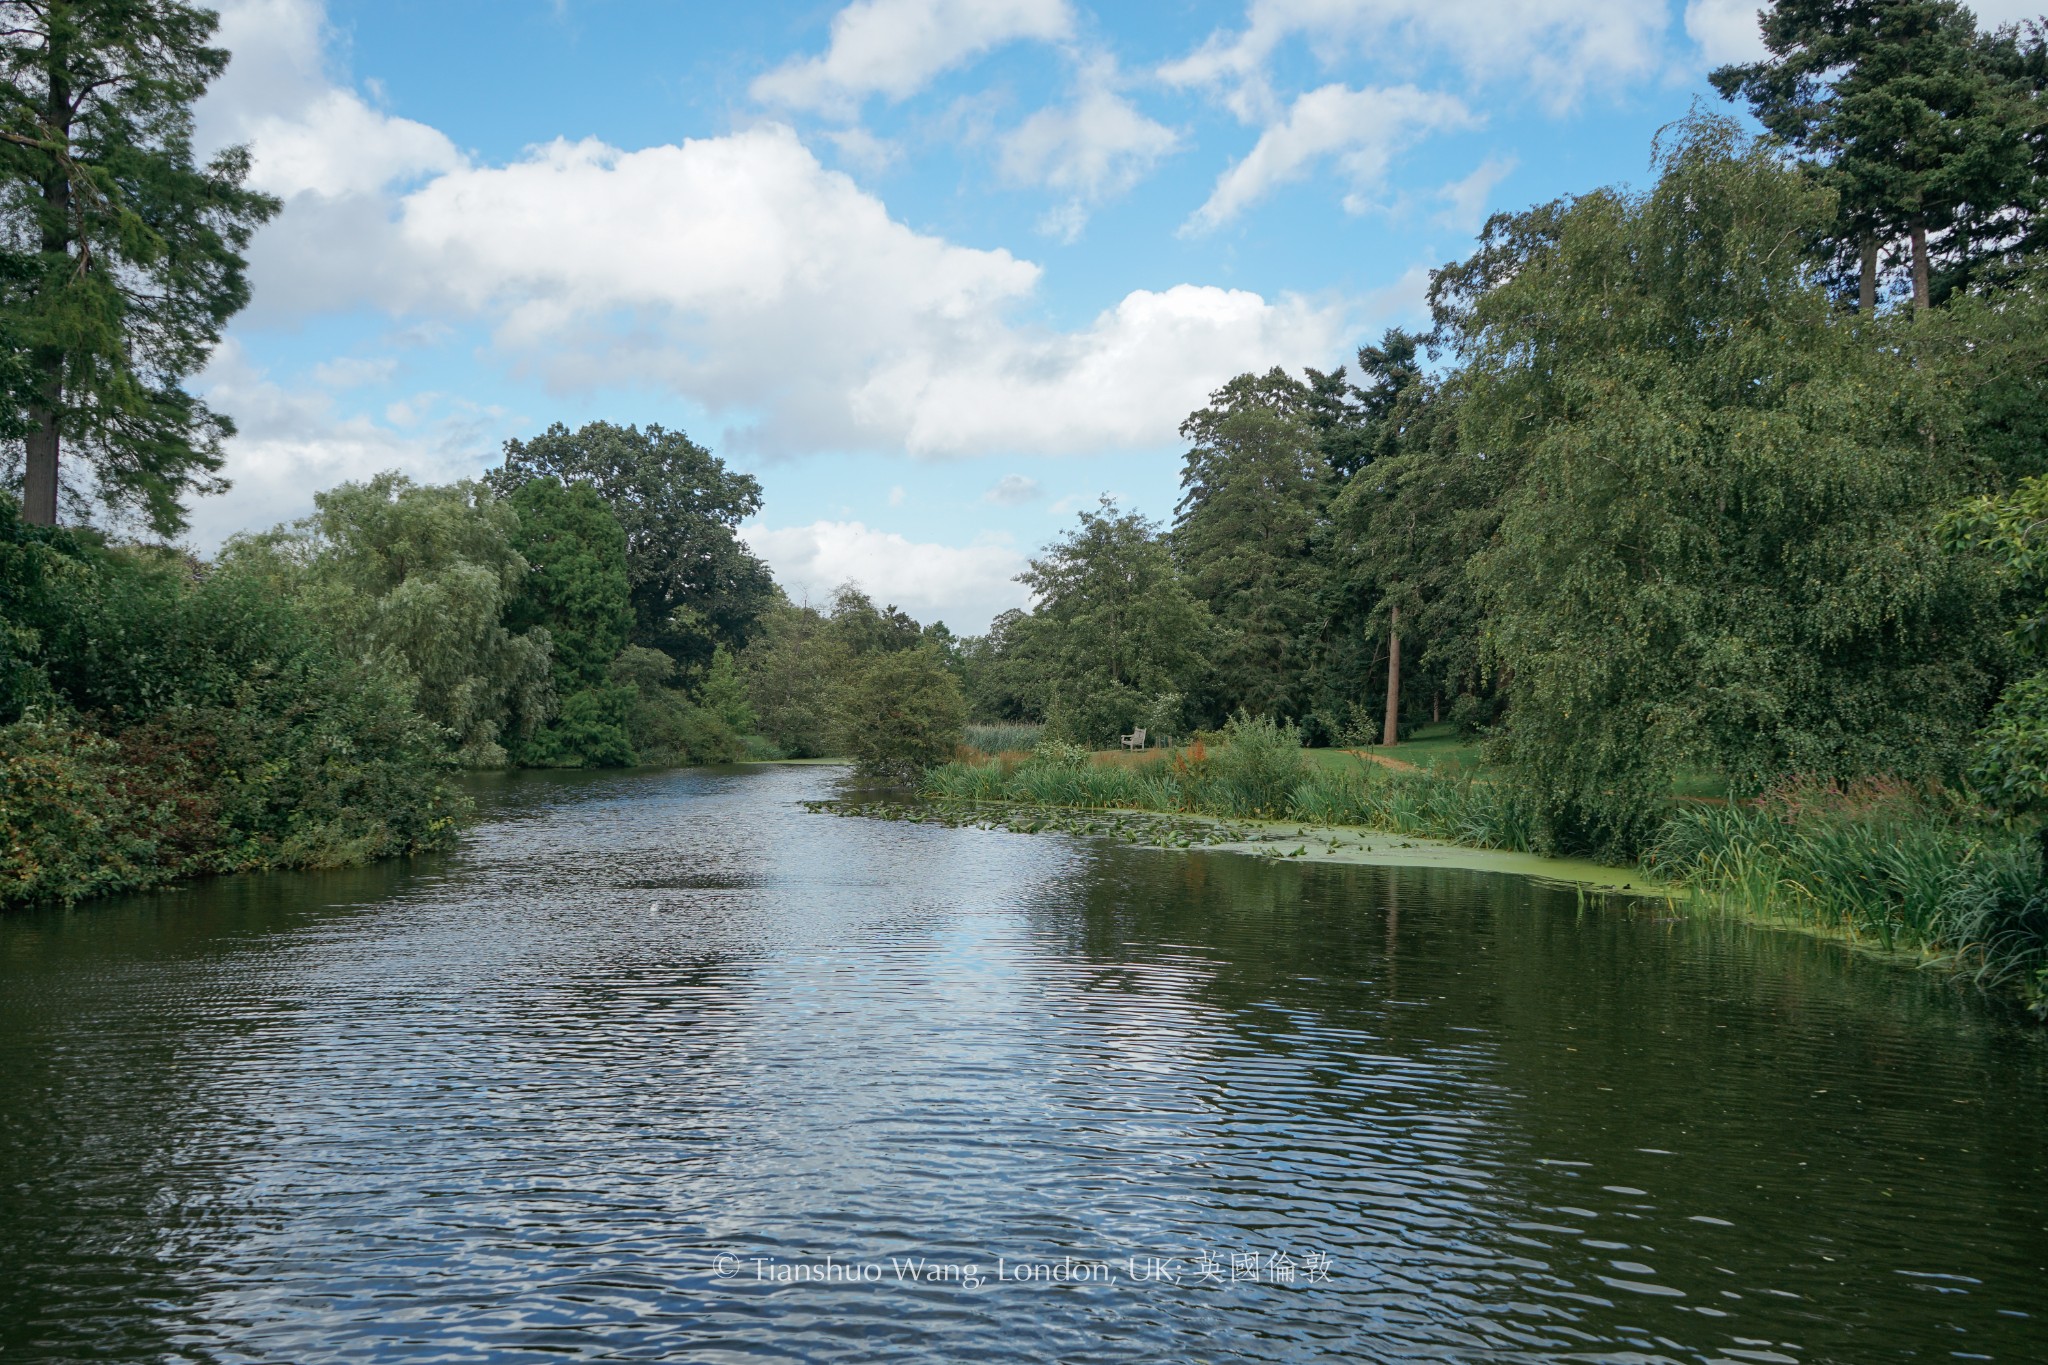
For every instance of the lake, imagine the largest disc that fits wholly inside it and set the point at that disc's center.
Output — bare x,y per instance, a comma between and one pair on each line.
664,1066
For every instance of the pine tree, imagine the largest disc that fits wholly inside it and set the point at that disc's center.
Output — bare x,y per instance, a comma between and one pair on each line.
1919,124
137,248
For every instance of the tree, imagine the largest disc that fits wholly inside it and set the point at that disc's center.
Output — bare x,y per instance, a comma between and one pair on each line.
575,589
694,586
1918,124
1719,550
137,248
792,669
421,577
1252,484
1112,626
901,713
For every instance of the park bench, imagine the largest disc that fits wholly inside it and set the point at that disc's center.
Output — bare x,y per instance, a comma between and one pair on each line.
1135,739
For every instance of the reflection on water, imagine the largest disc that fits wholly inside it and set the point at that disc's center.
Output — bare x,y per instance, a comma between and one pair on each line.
663,1066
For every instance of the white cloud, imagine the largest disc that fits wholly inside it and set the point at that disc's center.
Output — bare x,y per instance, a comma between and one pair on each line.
861,148
895,48
734,272
963,585
1557,46
1465,200
293,441
1095,147
1012,490
1125,381
1726,30
309,137
702,268
1362,129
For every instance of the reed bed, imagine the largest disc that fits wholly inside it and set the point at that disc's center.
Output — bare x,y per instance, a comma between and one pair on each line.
1004,738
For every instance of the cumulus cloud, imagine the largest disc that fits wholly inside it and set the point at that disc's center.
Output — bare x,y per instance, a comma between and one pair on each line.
1012,490
1097,146
1558,46
702,267
1361,129
308,136
962,585
293,440
894,48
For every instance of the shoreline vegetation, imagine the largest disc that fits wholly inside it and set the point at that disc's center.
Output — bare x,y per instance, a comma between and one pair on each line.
1880,865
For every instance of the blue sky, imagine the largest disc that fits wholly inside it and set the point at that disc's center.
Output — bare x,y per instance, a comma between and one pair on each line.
937,272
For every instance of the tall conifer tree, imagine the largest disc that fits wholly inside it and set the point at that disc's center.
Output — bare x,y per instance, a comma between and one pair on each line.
136,247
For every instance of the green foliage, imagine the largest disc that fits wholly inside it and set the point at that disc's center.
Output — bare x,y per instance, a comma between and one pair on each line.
665,726
2011,762
1720,551
693,585
136,263
901,712
1252,485
791,670
1403,533
1113,628
575,552
575,591
32,561
188,723
422,577
722,694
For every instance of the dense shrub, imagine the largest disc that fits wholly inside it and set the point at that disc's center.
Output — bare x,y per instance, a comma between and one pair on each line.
901,713
167,722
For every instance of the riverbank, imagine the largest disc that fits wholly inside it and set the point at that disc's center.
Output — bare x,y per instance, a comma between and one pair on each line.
1886,869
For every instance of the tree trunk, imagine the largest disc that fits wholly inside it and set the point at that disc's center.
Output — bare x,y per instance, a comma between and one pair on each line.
39,476
1436,707
1391,735
1920,295
39,482
1866,286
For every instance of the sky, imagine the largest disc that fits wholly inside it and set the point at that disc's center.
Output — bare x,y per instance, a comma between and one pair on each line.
938,273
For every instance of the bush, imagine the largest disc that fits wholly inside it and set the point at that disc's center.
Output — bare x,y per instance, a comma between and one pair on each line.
187,721
902,713
1256,768
591,729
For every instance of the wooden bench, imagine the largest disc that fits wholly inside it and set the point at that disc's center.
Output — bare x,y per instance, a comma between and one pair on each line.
1135,739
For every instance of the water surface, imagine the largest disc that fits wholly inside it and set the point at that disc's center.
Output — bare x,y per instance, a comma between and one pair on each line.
661,1065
